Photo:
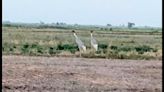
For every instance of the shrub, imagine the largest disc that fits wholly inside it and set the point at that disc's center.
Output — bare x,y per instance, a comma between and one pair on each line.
111,29
113,47
31,49
68,47
60,47
25,48
143,48
121,48
115,51
102,46
40,49
125,48
52,50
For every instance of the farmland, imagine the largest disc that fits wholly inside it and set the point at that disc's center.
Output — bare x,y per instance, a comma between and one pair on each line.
67,74
46,59
118,43
82,46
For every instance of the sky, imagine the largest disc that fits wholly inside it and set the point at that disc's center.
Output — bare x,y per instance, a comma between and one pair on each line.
94,12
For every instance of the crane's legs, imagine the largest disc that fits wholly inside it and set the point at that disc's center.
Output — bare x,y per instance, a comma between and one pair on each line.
80,53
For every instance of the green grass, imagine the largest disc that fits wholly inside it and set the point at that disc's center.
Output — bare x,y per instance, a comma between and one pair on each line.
119,44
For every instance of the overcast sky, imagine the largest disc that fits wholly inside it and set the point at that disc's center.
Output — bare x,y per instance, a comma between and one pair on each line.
99,12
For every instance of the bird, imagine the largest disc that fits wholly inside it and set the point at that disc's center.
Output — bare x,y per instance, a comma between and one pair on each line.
94,43
80,44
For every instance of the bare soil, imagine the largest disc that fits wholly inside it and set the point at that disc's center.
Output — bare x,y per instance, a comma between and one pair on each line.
65,74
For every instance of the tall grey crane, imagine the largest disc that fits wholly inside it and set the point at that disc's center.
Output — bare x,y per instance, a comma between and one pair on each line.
94,42
80,44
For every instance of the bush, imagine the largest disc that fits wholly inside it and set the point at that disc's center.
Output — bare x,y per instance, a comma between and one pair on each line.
68,47
125,48
121,48
60,47
113,47
8,47
139,49
143,48
31,49
115,51
52,50
25,49
102,46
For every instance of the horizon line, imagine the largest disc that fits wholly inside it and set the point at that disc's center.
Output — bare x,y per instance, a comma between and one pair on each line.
124,25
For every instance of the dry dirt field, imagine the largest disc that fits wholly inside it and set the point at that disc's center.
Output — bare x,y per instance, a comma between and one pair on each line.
65,74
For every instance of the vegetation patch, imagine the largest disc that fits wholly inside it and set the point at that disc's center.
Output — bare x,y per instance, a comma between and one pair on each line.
54,42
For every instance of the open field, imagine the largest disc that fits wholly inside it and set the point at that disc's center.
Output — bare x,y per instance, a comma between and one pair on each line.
59,74
120,43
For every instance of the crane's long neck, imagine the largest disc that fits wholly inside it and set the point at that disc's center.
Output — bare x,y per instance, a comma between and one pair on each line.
75,35
91,35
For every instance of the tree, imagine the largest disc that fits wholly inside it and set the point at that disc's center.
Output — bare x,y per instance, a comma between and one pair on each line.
41,22
130,25
109,25
57,23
